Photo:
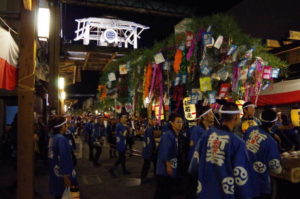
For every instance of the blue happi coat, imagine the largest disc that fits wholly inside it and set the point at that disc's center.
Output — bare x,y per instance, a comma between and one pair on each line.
221,165
149,144
167,151
121,132
61,163
264,156
195,133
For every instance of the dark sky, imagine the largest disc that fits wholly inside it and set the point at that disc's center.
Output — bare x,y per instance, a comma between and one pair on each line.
160,28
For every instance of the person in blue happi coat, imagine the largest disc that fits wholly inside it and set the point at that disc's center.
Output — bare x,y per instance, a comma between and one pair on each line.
205,120
88,128
97,140
220,161
60,158
263,152
166,168
149,149
121,133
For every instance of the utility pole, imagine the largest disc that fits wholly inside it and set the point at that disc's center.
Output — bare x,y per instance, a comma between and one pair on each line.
25,154
54,49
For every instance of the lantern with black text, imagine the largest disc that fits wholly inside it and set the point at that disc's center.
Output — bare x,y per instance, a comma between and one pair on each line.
295,116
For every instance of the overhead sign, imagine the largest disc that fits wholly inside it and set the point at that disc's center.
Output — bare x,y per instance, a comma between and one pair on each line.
110,36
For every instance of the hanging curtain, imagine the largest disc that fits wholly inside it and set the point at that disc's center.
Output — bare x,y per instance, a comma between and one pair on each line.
9,54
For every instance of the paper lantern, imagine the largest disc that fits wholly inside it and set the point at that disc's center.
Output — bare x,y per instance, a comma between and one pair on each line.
205,84
295,116
189,109
157,115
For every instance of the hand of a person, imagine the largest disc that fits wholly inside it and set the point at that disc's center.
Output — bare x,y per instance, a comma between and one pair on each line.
169,168
67,181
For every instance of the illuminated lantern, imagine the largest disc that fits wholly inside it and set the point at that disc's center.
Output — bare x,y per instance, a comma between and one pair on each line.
295,116
240,103
189,109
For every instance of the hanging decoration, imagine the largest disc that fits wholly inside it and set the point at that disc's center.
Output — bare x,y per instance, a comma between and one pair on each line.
234,66
123,69
189,109
177,60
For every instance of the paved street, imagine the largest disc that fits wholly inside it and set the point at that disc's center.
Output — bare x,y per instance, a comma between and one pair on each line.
97,183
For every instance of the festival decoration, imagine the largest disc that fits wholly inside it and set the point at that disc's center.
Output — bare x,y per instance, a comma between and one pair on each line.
236,68
189,109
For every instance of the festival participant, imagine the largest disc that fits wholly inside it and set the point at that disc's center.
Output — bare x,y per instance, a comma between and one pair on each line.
248,119
149,149
121,132
220,160
205,121
97,140
263,152
60,156
166,168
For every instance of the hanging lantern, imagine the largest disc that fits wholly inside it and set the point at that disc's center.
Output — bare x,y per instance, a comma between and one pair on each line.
189,109
295,116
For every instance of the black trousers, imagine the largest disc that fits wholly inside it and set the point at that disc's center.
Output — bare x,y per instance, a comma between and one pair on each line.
121,160
147,165
165,187
97,154
91,151
112,150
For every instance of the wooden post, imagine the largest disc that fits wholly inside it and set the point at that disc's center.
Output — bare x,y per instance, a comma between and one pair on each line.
54,48
27,58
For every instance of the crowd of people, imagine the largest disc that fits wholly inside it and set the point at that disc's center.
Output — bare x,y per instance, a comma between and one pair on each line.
221,155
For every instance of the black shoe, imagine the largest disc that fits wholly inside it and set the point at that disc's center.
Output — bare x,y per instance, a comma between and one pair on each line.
112,173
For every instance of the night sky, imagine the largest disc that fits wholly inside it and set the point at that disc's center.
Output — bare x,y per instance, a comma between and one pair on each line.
160,28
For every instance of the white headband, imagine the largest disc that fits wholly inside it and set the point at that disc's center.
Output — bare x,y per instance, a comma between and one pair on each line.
59,125
229,112
206,112
249,105
268,121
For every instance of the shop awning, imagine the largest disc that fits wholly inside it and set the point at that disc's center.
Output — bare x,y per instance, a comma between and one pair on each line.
285,92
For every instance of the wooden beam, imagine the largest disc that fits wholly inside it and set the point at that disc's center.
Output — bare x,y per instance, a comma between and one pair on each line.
28,4
25,169
54,51
90,48
86,60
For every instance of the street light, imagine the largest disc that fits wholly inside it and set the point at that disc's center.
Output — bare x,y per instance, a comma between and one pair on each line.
62,95
43,23
61,83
